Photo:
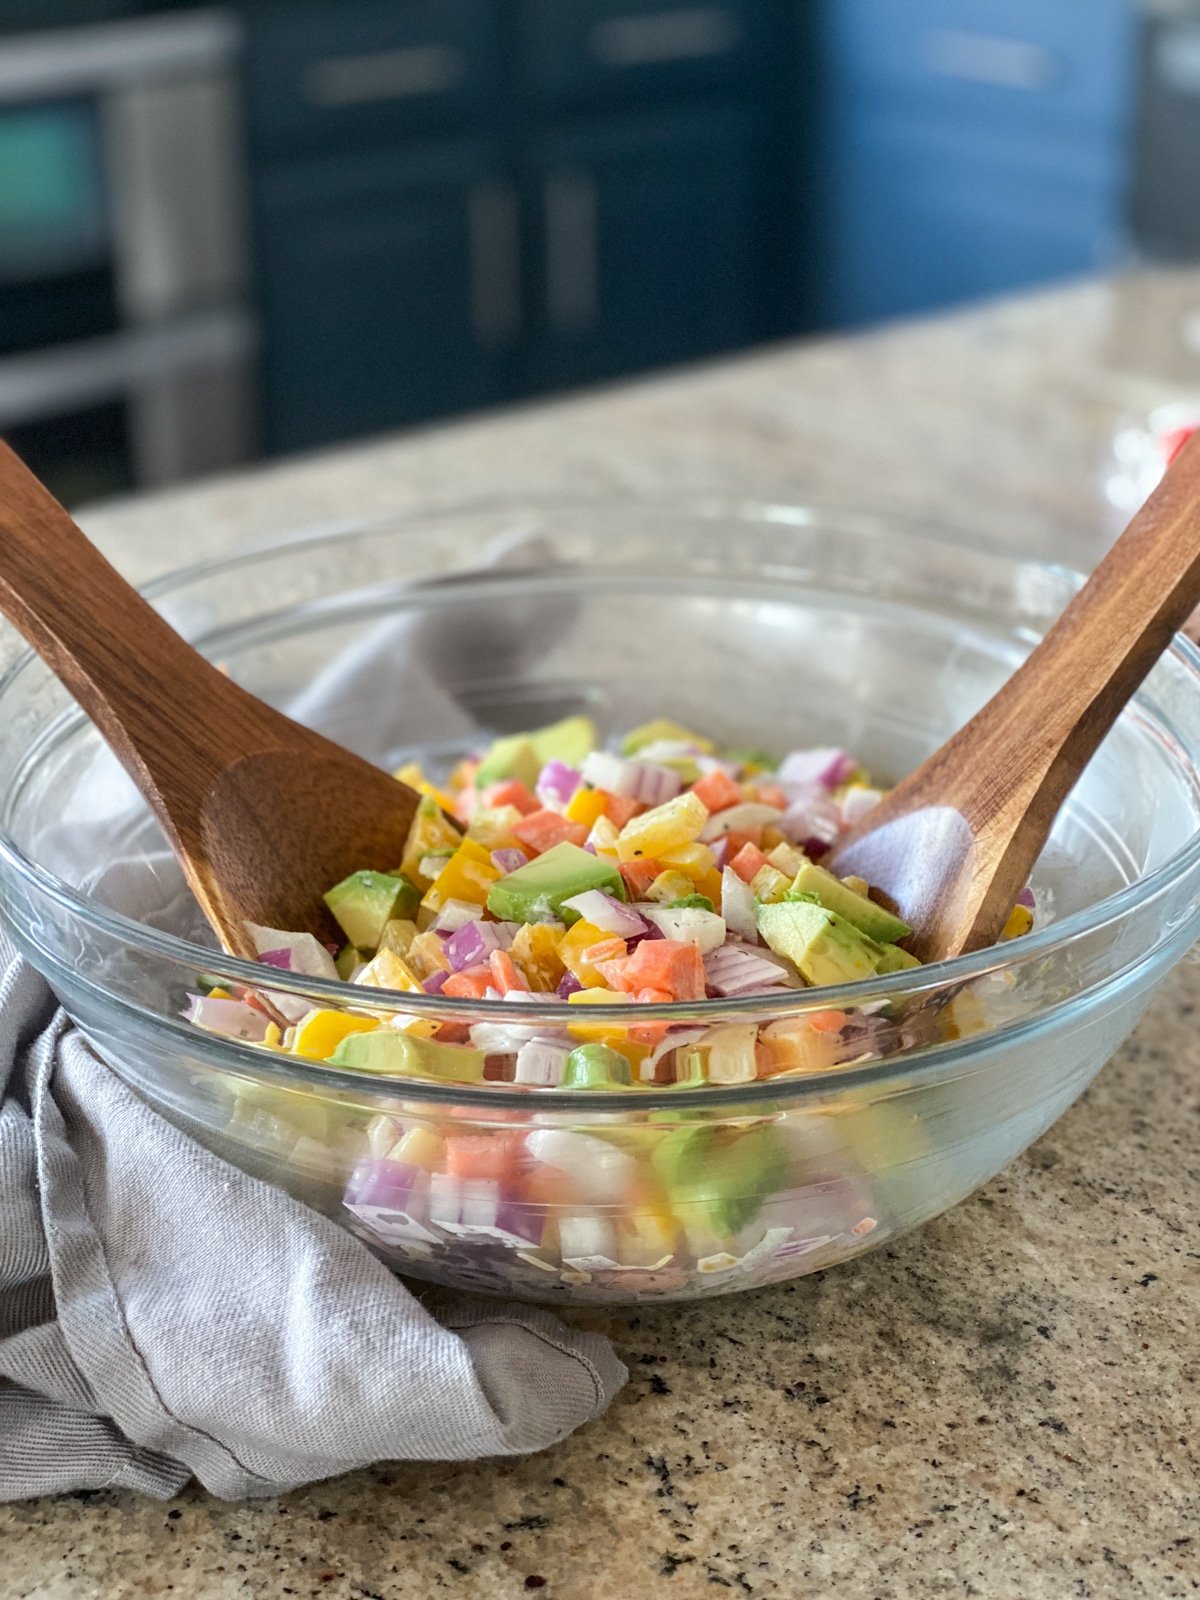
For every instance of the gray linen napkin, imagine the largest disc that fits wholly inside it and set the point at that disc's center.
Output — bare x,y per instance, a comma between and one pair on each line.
210,1325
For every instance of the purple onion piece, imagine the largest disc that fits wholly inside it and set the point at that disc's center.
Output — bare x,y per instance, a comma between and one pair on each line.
435,982
1025,898
380,1183
508,860
568,986
276,958
557,783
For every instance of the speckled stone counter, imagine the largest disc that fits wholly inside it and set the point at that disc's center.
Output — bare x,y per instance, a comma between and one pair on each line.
1003,1405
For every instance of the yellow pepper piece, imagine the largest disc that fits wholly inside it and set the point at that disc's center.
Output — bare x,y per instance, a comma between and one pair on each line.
387,970
467,875
586,805
1020,920
429,834
273,1038
788,858
666,827
605,1032
603,837
670,885
535,951
694,859
320,1033
427,955
219,994
770,885
492,827
398,935
573,948
964,1016
416,779
419,1147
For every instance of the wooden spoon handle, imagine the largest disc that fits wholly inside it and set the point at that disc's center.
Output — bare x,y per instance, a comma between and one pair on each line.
121,661
1038,732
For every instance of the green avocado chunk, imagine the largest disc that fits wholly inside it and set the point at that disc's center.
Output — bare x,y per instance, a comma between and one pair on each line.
824,947
866,916
725,1179
536,891
388,1050
895,960
523,755
596,1066
365,902
570,741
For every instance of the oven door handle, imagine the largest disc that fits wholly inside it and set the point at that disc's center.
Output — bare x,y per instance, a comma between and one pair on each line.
64,378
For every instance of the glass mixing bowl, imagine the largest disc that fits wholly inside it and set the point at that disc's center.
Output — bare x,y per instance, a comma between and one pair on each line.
765,626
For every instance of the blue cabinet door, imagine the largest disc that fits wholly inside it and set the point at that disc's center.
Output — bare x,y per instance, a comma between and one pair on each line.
648,242
388,287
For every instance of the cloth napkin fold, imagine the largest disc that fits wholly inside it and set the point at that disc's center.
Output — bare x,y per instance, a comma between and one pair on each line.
163,1315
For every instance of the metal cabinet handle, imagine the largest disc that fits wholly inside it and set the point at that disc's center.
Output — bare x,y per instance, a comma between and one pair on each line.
689,34
382,75
572,294
981,58
494,228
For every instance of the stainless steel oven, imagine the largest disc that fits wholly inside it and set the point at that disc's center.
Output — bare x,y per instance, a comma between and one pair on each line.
127,344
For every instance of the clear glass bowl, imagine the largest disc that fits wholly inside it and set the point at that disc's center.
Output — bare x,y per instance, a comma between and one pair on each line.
767,626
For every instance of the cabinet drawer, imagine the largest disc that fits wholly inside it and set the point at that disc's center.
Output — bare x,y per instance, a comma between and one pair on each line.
323,76
1065,61
579,50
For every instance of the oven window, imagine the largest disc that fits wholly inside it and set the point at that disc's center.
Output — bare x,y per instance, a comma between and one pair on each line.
81,457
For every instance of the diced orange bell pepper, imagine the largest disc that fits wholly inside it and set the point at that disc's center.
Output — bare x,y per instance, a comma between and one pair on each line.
826,1021
542,830
535,951
467,875
671,965
512,792
639,875
505,975
748,862
620,808
717,790
740,837
576,947
471,984
488,1156
770,794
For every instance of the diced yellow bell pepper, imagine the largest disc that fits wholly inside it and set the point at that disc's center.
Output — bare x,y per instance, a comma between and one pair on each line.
585,805
430,832
467,875
964,1016
492,827
273,1038
219,994
709,884
787,858
770,885
649,1229
1020,920
419,1147
320,1033
427,955
603,837
666,827
612,1033
387,970
535,951
573,948
670,885
694,859
416,779
398,935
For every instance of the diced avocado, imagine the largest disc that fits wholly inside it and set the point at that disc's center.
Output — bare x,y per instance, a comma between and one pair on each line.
595,1066
536,891
365,901
726,1179
388,1050
663,731
347,961
510,757
895,960
866,916
824,947
570,741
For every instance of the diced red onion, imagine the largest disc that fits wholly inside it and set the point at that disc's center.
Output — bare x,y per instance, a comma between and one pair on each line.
568,985
826,767
734,970
309,957
673,1039
276,958
811,816
473,943
1025,898
738,906
734,819
453,915
508,860
435,982
381,1183
607,913
233,1018
541,1063
556,783
857,801
644,781
720,850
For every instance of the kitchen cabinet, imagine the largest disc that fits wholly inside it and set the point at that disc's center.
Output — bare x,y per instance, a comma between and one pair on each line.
650,249
387,290
962,147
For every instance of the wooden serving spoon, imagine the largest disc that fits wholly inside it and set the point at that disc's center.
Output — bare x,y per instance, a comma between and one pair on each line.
263,814
952,846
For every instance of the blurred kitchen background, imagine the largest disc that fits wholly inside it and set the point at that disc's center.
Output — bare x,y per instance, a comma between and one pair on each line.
271,225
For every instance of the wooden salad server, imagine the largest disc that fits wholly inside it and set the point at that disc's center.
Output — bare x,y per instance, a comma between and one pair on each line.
952,846
263,814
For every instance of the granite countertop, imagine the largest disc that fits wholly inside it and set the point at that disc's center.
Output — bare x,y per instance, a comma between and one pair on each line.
1002,1405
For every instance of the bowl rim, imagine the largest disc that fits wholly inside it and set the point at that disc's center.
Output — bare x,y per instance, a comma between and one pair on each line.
863,521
